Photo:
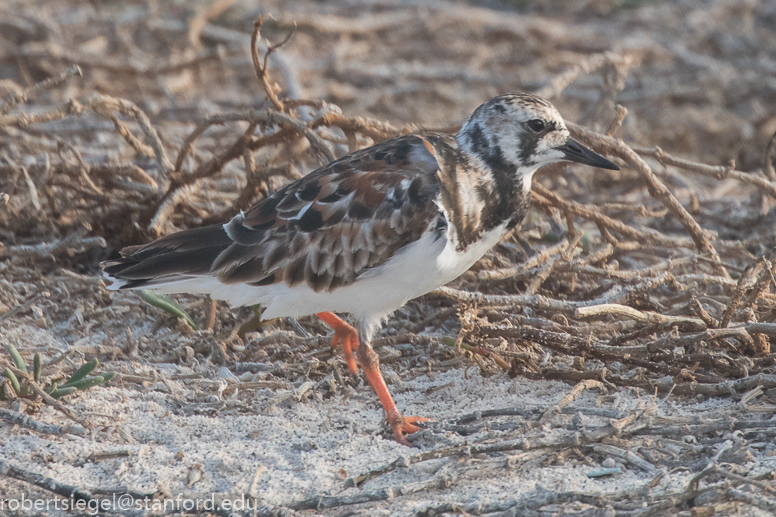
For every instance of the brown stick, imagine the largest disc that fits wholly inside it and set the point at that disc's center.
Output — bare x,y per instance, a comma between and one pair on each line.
261,69
657,189
768,169
569,398
620,113
719,172
592,213
15,98
651,318
590,64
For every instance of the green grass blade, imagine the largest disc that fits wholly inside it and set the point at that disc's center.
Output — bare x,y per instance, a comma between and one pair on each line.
61,392
85,384
82,372
169,306
450,341
36,366
8,374
17,358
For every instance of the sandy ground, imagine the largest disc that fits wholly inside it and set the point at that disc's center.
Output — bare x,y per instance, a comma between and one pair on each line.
184,440
214,436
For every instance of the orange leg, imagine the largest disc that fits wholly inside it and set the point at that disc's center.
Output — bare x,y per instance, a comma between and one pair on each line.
345,334
400,425
370,362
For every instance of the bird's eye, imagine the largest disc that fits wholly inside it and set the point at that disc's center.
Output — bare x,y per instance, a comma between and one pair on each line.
536,125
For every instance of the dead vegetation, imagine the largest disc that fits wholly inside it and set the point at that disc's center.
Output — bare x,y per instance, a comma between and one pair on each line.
659,277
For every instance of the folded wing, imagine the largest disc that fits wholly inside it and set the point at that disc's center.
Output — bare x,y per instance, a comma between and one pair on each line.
324,230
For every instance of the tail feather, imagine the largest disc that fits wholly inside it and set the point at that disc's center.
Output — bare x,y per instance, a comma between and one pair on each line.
175,258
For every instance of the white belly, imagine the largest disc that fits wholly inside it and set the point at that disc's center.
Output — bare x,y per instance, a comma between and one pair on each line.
416,269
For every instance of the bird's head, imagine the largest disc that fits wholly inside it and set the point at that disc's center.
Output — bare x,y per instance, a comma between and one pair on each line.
522,132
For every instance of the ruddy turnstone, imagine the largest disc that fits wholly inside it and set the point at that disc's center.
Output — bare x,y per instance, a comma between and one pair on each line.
370,231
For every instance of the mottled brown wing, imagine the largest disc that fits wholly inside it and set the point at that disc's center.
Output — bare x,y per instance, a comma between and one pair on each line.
338,221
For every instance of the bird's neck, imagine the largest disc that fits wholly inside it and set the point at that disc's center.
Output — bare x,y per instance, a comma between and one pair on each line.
505,191
481,187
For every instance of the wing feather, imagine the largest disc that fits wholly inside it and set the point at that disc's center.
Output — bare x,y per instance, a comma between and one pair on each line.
324,229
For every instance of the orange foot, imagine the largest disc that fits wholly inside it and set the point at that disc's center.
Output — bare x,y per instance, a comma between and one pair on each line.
404,425
370,362
343,334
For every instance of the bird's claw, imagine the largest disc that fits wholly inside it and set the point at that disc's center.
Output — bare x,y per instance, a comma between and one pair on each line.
404,425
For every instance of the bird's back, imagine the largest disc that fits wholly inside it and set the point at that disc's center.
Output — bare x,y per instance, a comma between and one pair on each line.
315,236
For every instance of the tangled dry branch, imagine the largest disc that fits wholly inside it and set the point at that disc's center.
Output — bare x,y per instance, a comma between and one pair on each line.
151,193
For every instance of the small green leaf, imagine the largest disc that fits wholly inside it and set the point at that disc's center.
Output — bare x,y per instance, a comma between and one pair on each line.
36,366
51,389
85,384
168,305
61,392
82,372
108,376
450,341
8,374
17,358
604,472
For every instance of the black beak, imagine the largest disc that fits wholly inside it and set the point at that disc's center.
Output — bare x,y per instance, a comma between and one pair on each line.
576,152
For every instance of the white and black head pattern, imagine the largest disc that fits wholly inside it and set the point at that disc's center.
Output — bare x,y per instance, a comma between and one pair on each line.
516,132
500,147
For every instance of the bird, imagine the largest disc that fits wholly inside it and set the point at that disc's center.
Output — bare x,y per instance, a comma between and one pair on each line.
370,231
